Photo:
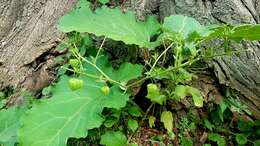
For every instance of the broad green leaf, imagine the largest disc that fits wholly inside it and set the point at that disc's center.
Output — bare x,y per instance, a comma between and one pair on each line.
10,123
151,121
167,120
241,139
217,138
132,124
184,26
111,23
249,32
154,94
71,113
111,138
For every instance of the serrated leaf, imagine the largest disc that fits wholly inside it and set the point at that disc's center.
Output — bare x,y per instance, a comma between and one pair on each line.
111,23
183,25
167,120
248,32
10,123
112,138
71,113
132,124
154,94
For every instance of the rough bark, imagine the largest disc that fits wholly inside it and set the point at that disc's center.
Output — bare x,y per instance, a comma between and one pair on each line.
28,32
240,72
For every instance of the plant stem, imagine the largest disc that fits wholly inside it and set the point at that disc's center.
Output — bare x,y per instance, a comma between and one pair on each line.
164,72
101,46
156,61
86,74
79,57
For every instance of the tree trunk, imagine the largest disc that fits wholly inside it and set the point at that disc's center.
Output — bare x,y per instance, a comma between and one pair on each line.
28,33
240,72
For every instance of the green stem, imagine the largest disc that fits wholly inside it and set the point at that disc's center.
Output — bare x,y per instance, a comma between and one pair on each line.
82,73
156,61
100,71
77,56
101,46
188,63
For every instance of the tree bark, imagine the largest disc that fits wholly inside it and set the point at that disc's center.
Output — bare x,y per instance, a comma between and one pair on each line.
240,72
28,33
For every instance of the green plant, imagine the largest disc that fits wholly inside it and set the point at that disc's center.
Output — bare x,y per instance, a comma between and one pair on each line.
91,94
217,138
186,142
111,138
132,124
167,120
77,104
10,123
